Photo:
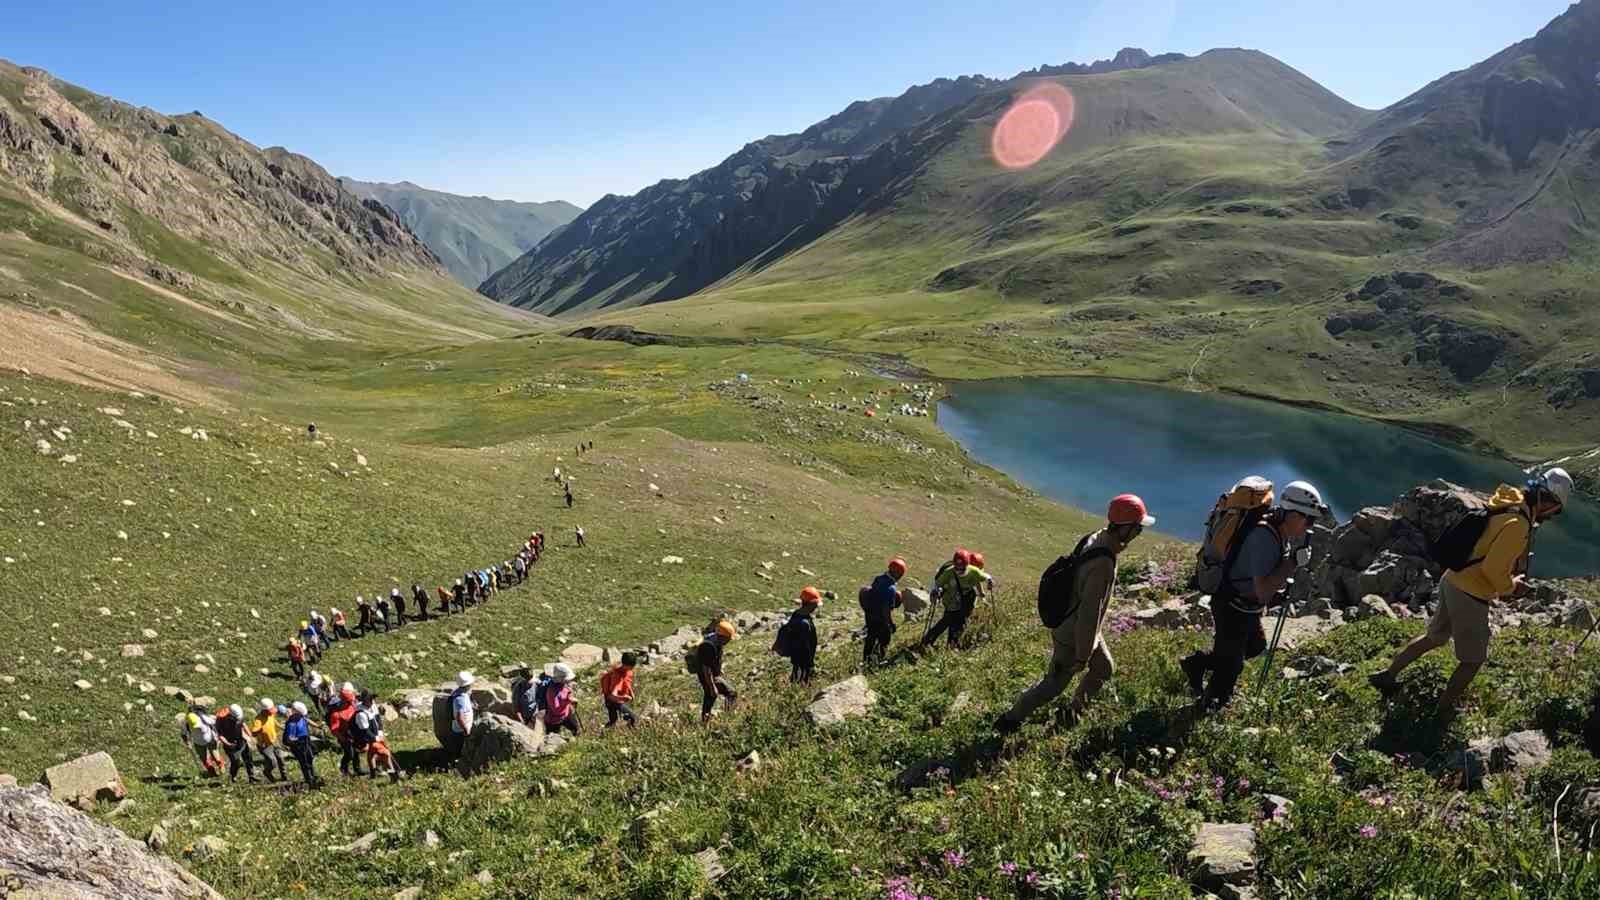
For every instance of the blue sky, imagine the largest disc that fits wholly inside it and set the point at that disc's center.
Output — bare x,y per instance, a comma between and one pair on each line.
541,100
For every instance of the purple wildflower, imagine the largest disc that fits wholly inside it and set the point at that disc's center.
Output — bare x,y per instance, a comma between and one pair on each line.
1368,831
1008,868
955,859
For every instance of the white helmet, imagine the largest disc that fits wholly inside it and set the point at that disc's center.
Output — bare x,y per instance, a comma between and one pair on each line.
394,592
347,686
267,705
562,673
235,711
315,614
1303,498
465,679
1558,483
299,707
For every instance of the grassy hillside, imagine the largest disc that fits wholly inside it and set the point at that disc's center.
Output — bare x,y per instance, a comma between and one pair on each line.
474,237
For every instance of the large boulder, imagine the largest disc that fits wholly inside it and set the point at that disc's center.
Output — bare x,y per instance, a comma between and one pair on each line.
85,781
496,738
413,703
848,699
51,850
487,697
582,656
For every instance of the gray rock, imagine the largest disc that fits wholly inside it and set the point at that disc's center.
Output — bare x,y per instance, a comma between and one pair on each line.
1473,762
582,656
1373,606
1223,854
132,650
429,840
1520,752
750,763
209,847
412,704
1578,616
360,845
1274,806
85,781
7,780
53,851
484,877
158,838
410,893
496,739
837,703
710,865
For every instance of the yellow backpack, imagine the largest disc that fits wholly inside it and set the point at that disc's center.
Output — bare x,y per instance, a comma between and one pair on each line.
1236,512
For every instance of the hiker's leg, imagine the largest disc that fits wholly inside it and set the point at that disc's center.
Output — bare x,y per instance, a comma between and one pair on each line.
1470,632
708,700
938,629
613,710
731,696
1057,675
1227,653
1101,667
627,714
958,627
249,763
1437,635
233,763
575,723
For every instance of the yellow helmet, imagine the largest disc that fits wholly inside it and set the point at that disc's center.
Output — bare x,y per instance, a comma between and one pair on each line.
304,624
194,720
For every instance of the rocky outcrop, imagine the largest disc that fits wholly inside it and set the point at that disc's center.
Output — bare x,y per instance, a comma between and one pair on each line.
85,781
498,739
1223,856
51,850
487,697
1383,552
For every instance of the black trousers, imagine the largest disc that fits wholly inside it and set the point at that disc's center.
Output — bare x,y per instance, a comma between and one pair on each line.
452,747
303,756
570,723
1239,637
349,759
955,621
800,670
236,755
876,645
615,711
709,700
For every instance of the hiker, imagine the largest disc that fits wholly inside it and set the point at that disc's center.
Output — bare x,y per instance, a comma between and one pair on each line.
341,629
559,709
1485,556
878,603
366,733
297,655
363,616
444,600
458,598
957,583
383,613
264,729
1264,554
616,689
200,735
524,695
1075,615
580,535
297,737
519,566
231,737
310,641
419,596
338,714
398,601
568,488
797,638
460,716
325,636
706,661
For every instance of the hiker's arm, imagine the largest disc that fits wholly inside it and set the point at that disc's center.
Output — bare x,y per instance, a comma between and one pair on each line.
1095,588
1500,562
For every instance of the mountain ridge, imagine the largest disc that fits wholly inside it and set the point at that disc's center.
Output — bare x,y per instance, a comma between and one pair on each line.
473,236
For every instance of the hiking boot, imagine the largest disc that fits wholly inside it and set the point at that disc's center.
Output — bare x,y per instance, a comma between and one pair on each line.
1006,725
1067,717
1384,683
1194,670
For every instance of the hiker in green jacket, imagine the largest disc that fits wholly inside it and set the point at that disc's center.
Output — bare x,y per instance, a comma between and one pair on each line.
957,584
1077,645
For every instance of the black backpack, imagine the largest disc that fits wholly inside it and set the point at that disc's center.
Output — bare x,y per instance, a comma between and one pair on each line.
783,645
1057,600
1453,549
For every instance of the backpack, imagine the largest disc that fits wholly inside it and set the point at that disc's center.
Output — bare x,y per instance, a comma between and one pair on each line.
691,657
1057,594
1234,515
1453,549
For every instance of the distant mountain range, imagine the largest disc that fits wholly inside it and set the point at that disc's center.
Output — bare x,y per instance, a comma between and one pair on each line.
474,237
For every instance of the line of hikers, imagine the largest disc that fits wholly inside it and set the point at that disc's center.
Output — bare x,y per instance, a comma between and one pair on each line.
1254,545
353,722
546,702
317,633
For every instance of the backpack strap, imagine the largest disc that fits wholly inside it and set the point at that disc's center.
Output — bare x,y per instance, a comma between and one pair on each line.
1226,589
1076,560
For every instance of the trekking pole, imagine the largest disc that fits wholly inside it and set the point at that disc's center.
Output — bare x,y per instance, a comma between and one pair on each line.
1272,648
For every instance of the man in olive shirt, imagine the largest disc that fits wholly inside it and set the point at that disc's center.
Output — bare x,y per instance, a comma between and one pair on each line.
1077,643
1495,570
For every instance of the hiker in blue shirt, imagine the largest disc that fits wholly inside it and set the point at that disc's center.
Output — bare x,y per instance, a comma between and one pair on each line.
878,603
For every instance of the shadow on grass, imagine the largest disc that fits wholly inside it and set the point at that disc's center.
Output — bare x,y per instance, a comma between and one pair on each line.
431,760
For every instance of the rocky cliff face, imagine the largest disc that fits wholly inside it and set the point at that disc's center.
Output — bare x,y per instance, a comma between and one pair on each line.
146,180
51,850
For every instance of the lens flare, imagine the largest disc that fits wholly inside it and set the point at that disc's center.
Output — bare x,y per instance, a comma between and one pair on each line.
1033,126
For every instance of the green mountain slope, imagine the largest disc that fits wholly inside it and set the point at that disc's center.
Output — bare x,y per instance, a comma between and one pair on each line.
474,237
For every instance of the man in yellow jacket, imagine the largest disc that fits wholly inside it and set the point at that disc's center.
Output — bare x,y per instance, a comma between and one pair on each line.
1497,569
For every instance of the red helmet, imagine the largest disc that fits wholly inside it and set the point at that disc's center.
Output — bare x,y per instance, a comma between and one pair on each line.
962,559
809,594
1128,509
897,567
977,560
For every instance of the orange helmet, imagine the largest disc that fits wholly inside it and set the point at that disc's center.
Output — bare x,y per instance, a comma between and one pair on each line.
810,595
977,560
726,629
962,559
897,567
